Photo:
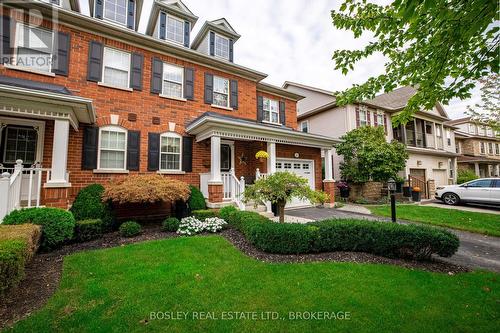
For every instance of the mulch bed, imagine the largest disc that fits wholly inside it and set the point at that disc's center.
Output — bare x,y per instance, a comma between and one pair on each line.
43,274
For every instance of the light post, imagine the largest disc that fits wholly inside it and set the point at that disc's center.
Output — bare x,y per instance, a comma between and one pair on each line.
391,185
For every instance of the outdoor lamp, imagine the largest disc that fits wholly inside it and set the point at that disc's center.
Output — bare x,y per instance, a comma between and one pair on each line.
391,185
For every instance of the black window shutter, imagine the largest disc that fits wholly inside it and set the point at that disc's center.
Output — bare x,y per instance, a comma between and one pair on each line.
260,108
5,45
133,150
187,154
231,50
282,113
131,14
94,70
209,88
187,33
212,43
163,25
62,54
137,63
90,144
189,83
234,94
153,151
99,4
156,75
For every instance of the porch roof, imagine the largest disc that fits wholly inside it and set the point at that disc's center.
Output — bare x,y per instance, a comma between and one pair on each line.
214,124
477,159
32,99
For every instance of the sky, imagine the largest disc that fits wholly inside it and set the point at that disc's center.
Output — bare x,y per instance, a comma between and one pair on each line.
291,40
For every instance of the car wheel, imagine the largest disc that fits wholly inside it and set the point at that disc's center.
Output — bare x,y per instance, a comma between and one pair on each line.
451,199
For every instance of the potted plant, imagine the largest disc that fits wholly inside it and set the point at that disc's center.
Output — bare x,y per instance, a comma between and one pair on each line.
399,184
344,188
406,190
261,155
415,194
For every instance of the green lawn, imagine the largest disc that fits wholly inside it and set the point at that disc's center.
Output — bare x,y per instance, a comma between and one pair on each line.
115,290
488,224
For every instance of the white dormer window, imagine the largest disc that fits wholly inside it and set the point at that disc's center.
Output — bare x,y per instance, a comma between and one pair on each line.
116,11
221,47
175,29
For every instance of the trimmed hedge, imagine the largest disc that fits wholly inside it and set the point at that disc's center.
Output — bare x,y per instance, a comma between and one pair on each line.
87,230
130,229
203,214
381,238
89,206
171,224
224,212
196,199
57,224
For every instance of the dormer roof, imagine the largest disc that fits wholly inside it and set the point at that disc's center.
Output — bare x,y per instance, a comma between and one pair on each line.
138,11
174,7
220,26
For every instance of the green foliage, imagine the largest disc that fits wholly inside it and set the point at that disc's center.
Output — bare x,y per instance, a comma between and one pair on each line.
57,224
130,229
440,46
465,175
384,239
203,214
13,254
87,230
226,211
171,224
488,110
88,205
196,199
368,156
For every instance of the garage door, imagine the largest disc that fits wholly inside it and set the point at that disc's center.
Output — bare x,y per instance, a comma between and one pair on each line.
440,177
303,168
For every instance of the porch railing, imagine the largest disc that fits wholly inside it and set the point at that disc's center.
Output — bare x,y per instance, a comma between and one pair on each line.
420,183
232,187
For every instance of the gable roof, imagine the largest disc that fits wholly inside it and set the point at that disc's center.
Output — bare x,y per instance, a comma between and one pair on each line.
306,87
220,26
459,121
175,7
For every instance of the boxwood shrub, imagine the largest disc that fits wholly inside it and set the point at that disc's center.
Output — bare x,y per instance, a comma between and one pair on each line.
204,213
381,238
57,224
171,224
87,230
130,229
196,199
89,206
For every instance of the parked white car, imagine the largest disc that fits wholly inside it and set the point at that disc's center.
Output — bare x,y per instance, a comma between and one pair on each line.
485,190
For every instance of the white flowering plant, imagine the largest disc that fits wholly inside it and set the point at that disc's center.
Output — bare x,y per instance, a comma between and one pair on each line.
191,226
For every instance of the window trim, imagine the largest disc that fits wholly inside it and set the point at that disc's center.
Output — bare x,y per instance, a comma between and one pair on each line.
170,135
302,127
112,128
228,106
491,150
110,85
497,148
215,46
363,110
21,127
40,124
382,122
167,15
113,21
16,47
181,98
56,4
270,121
482,148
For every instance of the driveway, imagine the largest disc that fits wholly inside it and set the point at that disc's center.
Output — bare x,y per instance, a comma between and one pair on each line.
476,251
489,209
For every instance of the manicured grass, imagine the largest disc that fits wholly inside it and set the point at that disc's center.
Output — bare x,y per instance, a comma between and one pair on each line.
115,290
488,224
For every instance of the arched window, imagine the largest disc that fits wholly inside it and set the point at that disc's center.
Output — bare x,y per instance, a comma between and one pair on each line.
112,148
170,152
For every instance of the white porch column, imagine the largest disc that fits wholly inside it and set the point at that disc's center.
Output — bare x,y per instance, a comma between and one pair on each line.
59,155
271,161
328,165
497,170
476,169
215,175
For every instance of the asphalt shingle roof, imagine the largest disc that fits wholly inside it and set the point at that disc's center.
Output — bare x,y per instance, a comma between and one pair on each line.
35,85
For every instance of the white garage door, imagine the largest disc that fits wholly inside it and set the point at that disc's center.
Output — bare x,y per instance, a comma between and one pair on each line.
440,177
303,168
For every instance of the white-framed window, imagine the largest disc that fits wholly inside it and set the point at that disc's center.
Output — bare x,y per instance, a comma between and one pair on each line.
34,47
489,131
271,111
175,29
482,147
304,126
380,119
490,148
116,11
170,152
221,46
173,81
472,129
52,2
448,137
112,148
482,130
116,68
20,144
363,116
221,91
497,149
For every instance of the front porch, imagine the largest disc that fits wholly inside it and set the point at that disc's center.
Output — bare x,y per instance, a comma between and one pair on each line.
483,167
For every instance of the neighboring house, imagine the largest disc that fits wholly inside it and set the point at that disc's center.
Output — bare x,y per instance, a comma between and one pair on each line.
115,102
478,146
430,141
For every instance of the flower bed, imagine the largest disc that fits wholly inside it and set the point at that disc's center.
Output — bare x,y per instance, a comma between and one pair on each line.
191,225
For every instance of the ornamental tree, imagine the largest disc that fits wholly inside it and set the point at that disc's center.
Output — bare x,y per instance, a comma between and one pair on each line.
279,188
442,47
368,156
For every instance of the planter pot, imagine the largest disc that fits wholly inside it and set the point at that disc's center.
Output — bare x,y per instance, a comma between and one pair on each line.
407,191
344,193
415,196
399,187
262,160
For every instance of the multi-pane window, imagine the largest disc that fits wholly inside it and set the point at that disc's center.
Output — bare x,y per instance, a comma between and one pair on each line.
170,152
221,91
116,11
497,148
112,148
482,130
448,137
116,68
304,126
221,47
175,30
472,129
363,118
20,144
489,131
483,149
34,47
172,81
271,111
380,119
490,148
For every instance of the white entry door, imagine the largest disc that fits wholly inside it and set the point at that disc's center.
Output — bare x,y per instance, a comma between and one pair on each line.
303,168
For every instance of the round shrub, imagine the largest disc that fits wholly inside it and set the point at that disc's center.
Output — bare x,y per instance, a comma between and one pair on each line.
171,224
130,229
226,212
57,224
88,205
87,230
196,199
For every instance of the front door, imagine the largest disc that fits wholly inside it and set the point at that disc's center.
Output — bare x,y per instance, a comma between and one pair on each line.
303,168
226,153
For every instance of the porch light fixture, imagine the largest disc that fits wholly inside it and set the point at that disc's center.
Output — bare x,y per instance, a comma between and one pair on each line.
391,185
296,155
419,163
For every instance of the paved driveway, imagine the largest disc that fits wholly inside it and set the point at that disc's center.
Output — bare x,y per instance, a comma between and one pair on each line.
489,209
476,251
